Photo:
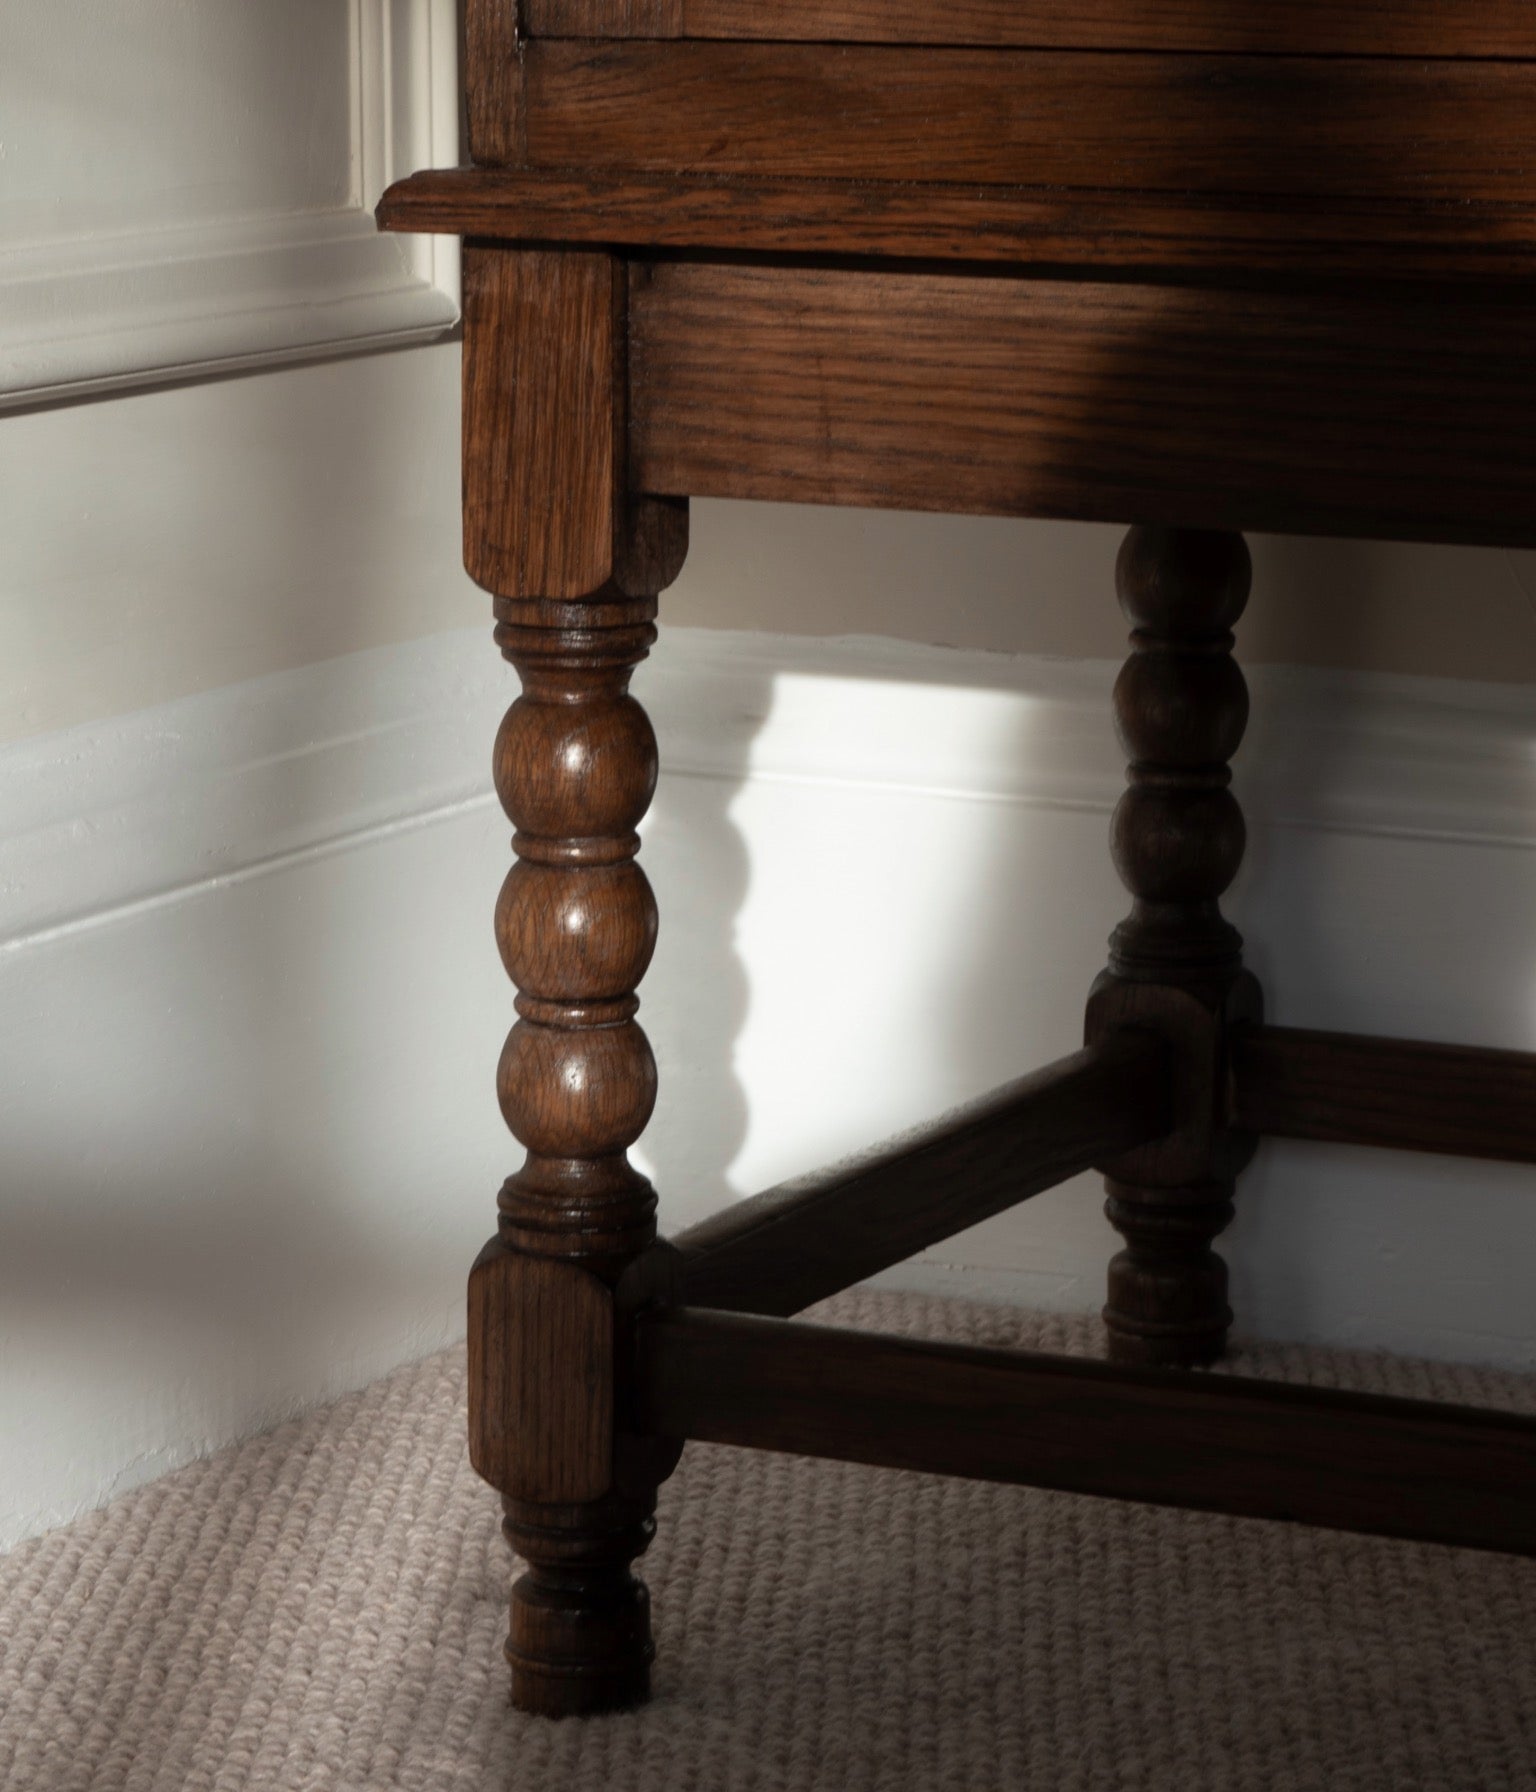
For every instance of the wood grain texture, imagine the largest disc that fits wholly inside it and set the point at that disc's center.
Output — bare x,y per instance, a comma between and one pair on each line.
547,513
798,1243
580,1641
541,1362
574,565
1355,1462
1095,230
1305,27
1320,128
1315,412
539,375
493,80
1407,1095
575,767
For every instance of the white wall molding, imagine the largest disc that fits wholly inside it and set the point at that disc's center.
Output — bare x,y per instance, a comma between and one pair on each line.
156,806
1363,753
146,807
95,309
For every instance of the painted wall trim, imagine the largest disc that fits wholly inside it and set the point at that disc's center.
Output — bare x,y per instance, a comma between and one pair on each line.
109,311
152,807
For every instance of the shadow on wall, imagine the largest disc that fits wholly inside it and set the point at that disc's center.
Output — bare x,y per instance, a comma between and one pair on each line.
696,996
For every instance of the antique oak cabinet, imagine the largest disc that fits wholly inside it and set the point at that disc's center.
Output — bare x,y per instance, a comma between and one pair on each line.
1196,266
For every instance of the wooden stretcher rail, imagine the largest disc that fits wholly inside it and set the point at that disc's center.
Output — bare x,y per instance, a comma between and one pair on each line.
1354,1090
800,1242
1354,1462
1148,233
1399,418
1306,27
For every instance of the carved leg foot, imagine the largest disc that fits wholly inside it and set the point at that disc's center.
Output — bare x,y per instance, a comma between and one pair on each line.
581,1621
1168,1288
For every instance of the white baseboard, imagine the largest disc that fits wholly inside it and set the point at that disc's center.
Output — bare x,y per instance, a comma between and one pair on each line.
157,805
163,805
252,1003
1362,753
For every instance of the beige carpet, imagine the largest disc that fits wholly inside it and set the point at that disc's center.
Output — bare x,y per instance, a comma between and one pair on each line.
324,1608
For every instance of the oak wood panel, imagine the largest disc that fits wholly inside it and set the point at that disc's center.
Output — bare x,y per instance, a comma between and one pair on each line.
798,1243
539,413
1308,27
1317,412
546,512
540,1377
1355,1462
493,80
1466,1101
1144,232
1323,127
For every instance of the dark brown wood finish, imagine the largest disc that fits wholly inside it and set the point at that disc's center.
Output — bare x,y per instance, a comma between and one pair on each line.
1464,1100
493,80
549,531
1353,1462
545,410
1197,265
1178,236
796,1244
1175,963
1306,27
575,766
1319,128
1408,418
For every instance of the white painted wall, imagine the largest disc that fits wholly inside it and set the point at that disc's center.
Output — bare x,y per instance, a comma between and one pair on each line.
188,184
253,1007
175,541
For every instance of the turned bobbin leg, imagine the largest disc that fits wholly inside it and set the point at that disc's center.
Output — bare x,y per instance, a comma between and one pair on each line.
575,768
574,562
1175,963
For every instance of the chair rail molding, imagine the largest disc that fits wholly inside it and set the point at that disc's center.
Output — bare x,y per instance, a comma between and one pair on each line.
217,215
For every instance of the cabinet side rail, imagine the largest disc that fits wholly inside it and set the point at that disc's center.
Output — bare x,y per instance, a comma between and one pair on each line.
1345,1461
1406,1095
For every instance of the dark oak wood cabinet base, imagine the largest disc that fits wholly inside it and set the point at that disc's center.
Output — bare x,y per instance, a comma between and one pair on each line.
1198,269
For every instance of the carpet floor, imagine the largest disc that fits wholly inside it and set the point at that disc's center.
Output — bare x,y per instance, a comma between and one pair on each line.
324,1607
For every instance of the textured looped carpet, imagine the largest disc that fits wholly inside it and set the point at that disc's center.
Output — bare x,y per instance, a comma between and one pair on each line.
324,1607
